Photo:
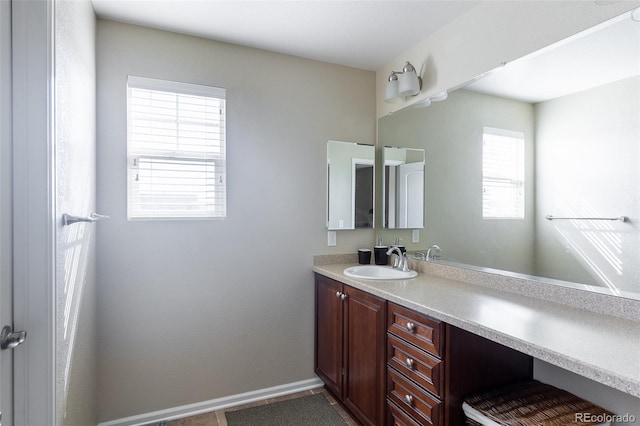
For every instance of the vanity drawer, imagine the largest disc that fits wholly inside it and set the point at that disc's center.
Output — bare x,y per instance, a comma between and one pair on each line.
424,369
397,417
419,404
419,329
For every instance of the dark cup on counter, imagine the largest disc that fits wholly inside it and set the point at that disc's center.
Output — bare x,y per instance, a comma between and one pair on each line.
364,256
380,254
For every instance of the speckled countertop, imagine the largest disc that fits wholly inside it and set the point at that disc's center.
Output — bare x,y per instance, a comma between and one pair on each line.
601,347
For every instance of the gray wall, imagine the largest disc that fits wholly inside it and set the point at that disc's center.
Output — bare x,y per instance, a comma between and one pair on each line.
195,310
75,144
587,156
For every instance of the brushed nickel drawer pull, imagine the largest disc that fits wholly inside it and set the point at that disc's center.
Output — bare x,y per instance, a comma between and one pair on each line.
409,363
411,327
409,400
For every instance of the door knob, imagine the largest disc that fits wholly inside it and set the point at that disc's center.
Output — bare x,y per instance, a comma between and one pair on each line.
9,339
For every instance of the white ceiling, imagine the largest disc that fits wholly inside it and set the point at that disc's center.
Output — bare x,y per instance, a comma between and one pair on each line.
603,54
365,34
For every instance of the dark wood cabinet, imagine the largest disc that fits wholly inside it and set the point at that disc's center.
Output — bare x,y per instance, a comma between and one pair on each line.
328,334
415,374
350,348
432,366
388,364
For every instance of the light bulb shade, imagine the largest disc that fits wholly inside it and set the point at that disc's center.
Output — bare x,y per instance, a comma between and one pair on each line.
408,84
391,91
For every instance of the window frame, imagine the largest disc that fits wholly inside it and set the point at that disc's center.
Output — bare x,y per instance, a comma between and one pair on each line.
212,165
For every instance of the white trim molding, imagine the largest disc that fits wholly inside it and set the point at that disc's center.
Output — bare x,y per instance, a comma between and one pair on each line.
217,404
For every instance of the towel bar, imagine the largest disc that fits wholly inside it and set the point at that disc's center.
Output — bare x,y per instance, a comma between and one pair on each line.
620,218
68,219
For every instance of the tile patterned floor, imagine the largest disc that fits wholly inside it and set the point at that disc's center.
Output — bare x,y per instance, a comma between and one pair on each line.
217,418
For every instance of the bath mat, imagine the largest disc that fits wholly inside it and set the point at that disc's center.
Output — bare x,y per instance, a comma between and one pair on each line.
312,410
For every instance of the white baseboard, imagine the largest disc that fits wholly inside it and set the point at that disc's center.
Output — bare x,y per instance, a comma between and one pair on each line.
216,404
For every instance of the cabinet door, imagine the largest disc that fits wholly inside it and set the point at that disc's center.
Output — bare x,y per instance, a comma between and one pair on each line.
364,356
328,333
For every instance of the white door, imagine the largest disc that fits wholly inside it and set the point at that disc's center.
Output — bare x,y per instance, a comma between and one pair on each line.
411,195
6,315
32,207
30,228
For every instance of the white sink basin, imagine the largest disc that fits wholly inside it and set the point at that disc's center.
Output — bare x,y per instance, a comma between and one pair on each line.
378,272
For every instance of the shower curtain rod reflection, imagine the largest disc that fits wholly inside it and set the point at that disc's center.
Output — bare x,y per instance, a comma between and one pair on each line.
620,218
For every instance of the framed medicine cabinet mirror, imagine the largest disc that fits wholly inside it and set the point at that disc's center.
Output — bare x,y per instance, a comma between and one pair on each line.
350,185
402,188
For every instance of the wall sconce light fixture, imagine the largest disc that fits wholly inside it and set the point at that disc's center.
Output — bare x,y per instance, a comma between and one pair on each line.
402,84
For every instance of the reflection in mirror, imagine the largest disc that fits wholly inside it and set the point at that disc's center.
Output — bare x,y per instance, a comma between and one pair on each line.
403,188
576,107
350,185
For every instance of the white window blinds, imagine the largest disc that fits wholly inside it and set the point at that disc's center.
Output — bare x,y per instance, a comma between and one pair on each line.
176,150
502,174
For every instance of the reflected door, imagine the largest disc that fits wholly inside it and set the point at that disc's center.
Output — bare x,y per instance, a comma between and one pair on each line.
410,195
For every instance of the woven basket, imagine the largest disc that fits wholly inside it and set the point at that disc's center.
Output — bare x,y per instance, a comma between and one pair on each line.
533,403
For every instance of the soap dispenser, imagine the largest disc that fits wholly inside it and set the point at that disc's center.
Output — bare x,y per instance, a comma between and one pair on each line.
380,253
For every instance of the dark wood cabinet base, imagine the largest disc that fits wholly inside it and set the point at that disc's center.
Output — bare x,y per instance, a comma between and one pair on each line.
387,364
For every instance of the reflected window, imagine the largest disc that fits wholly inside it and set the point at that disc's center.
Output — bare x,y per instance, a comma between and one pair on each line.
502,174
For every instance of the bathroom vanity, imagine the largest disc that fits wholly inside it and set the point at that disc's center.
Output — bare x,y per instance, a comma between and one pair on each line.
428,365
407,351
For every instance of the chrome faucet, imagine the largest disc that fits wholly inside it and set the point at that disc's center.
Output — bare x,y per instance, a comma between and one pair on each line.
401,260
433,257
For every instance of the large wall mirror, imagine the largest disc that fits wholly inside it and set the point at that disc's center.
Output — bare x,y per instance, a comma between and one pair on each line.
403,188
535,167
350,185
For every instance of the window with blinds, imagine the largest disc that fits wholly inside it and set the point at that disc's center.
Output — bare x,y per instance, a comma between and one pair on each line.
175,149
502,174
